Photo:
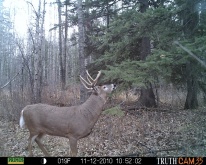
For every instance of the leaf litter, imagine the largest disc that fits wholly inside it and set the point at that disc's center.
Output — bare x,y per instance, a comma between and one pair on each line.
122,133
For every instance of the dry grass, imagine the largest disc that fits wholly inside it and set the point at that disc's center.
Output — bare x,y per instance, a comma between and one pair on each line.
11,104
54,96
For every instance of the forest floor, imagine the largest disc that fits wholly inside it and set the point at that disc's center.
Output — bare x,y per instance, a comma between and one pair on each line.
153,132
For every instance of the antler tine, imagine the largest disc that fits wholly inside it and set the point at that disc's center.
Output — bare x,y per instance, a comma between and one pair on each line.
98,75
89,79
88,76
84,82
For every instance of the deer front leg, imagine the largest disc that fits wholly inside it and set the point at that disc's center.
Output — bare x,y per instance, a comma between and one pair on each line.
73,146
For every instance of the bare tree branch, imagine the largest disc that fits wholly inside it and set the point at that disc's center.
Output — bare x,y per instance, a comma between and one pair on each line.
12,79
33,9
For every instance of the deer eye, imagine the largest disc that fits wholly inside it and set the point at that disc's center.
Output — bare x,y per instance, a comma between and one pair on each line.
104,87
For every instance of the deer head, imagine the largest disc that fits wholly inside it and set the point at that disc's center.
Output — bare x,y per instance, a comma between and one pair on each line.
90,84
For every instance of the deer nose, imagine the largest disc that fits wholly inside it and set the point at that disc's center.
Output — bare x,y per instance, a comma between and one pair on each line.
114,86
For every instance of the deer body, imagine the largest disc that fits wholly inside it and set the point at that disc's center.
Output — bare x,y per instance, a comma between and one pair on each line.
64,120
73,122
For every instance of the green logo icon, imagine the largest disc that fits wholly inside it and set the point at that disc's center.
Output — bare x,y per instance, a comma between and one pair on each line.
15,160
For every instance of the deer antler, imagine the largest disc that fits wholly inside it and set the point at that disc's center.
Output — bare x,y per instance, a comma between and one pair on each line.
85,83
90,82
89,78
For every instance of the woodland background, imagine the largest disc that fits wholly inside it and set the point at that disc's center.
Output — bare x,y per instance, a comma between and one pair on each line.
154,50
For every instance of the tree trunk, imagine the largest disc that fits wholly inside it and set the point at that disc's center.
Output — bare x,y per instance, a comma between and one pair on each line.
83,92
147,97
39,50
36,97
190,22
67,70
61,57
108,14
192,88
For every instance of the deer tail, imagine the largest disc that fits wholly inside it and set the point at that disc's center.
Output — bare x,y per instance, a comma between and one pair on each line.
21,121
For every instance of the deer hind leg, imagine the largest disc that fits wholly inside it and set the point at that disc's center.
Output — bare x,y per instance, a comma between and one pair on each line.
31,140
73,146
38,141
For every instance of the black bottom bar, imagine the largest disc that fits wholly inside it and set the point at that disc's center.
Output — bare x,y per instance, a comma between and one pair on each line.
103,160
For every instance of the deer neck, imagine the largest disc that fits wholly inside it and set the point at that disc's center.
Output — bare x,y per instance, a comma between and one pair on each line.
92,107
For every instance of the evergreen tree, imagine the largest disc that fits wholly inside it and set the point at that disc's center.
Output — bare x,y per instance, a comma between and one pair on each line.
163,23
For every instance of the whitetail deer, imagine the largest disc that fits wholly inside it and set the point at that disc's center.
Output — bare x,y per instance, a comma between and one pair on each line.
73,122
